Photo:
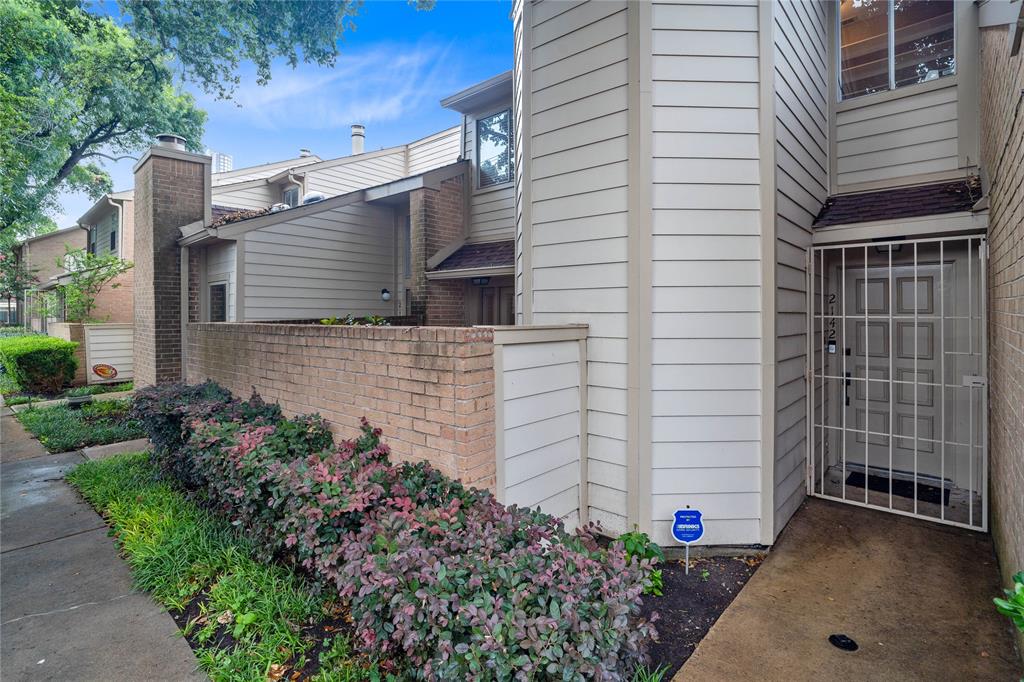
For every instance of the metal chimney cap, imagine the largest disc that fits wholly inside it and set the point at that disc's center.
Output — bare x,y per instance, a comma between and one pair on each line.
358,129
303,153
170,140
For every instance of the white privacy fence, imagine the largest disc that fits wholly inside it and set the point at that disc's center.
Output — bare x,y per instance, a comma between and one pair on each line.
540,375
109,355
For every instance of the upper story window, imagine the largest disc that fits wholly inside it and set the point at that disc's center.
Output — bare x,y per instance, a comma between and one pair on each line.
888,44
494,149
290,196
113,241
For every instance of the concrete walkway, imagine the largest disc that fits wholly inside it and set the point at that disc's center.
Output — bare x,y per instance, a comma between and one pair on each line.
914,595
67,607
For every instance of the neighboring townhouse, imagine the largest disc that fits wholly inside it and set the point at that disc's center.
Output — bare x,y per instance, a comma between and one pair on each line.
109,225
44,257
423,230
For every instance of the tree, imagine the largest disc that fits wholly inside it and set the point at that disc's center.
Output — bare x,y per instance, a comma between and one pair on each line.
87,275
210,39
76,88
15,278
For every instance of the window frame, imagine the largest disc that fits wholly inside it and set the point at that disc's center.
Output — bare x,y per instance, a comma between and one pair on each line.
289,188
891,55
209,300
511,147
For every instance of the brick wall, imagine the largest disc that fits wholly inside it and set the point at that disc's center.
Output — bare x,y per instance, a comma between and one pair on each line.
169,193
70,331
436,221
1002,133
430,389
41,257
116,303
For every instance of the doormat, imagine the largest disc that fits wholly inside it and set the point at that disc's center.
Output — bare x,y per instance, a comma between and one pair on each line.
901,488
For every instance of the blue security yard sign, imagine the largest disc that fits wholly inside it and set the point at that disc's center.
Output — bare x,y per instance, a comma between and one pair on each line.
687,527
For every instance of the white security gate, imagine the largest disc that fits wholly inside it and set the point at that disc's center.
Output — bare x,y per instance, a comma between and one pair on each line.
898,400
109,355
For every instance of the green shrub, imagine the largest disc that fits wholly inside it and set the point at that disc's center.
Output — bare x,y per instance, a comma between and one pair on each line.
39,363
6,332
443,581
99,389
1013,606
639,545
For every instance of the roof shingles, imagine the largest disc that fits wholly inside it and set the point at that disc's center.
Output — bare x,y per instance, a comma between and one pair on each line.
901,202
484,255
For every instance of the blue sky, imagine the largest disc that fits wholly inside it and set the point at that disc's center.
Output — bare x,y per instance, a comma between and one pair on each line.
393,70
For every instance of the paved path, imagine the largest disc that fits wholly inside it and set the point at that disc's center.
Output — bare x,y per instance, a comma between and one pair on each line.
67,607
915,596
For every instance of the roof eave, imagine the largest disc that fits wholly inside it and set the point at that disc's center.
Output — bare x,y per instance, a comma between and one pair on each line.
476,96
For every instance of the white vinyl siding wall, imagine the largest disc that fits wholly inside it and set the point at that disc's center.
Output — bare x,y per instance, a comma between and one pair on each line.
220,268
353,175
912,135
103,230
801,156
541,427
491,209
329,264
246,196
577,157
109,344
706,301
434,151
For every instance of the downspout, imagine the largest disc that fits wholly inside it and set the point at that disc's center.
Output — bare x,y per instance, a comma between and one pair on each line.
120,232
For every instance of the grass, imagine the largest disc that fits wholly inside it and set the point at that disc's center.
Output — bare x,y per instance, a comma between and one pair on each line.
61,428
98,389
250,620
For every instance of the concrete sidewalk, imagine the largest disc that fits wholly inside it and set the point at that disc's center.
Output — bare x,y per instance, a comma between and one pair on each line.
915,596
67,607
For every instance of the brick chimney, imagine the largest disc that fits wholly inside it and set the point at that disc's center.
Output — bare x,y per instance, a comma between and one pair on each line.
172,189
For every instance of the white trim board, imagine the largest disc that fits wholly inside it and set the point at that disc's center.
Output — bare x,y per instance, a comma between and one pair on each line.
948,223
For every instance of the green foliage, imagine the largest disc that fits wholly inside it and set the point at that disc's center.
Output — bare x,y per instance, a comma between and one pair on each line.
644,674
443,582
15,277
179,551
1013,606
76,300
8,332
99,389
61,428
76,87
639,546
39,363
351,321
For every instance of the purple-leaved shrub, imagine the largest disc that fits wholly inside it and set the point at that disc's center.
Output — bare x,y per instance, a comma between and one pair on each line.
443,581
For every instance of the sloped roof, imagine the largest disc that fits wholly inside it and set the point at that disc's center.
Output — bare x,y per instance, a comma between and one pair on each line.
482,255
217,211
902,202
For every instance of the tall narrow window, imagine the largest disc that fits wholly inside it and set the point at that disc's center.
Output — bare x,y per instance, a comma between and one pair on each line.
113,240
219,302
407,242
494,149
888,44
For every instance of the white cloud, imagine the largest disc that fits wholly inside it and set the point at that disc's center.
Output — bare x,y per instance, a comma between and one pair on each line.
385,83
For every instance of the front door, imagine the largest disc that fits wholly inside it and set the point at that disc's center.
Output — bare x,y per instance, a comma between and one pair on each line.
898,377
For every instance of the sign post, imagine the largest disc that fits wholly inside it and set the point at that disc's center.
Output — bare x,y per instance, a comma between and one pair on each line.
687,527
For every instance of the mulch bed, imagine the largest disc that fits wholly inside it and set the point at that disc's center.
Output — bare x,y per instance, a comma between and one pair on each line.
692,603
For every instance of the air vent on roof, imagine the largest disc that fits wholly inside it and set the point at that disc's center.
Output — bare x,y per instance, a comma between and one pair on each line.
303,153
313,197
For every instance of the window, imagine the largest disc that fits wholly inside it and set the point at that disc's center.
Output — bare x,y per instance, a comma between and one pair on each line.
219,302
494,149
290,196
407,264
888,44
113,241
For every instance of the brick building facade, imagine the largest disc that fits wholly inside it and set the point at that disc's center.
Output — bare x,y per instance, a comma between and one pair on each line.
436,219
1002,133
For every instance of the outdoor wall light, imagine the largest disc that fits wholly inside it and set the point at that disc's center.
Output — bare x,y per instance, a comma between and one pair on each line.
481,281
385,295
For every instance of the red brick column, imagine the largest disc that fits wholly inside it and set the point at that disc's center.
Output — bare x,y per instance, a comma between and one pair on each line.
436,221
170,191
